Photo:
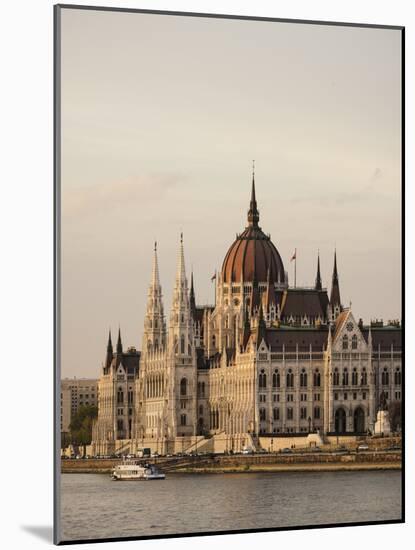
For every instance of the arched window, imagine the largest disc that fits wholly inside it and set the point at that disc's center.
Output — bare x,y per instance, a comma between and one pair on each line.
120,396
364,377
385,377
317,378
276,413
290,413
182,344
354,341
345,342
303,379
203,389
183,420
201,410
130,396
214,341
336,377
354,377
262,415
345,377
290,379
398,377
183,386
276,379
316,413
262,380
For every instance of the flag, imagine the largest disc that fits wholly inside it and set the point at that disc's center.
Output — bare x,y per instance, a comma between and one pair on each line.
294,256
213,277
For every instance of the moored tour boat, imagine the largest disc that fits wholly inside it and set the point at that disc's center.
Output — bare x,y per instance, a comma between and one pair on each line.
136,470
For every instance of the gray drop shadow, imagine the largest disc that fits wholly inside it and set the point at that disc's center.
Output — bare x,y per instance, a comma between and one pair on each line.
44,532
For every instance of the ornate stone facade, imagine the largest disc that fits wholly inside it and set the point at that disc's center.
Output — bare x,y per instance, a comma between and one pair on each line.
267,359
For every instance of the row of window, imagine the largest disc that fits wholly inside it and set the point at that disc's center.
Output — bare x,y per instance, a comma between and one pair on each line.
384,376
289,413
120,412
276,379
345,396
345,377
345,342
289,397
120,396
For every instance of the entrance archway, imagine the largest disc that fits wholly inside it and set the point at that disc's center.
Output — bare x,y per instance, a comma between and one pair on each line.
340,421
200,426
359,420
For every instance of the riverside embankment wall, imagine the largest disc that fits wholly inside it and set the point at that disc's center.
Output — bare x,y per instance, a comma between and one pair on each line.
244,461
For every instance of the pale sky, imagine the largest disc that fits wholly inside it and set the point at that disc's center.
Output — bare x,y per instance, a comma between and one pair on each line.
161,118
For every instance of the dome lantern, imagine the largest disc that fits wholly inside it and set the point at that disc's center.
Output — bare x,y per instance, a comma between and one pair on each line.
253,256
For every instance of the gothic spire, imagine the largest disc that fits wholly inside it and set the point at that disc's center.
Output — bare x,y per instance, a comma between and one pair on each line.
253,214
318,285
335,289
247,330
329,340
255,295
181,324
181,291
109,345
155,279
154,323
261,329
119,343
181,270
110,351
192,297
270,296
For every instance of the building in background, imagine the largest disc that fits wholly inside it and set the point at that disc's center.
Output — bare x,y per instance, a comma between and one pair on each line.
76,392
268,360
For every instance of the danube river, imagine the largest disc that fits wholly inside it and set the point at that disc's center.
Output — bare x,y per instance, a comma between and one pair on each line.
93,506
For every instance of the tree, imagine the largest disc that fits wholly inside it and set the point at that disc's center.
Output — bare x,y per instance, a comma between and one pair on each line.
395,415
65,440
81,426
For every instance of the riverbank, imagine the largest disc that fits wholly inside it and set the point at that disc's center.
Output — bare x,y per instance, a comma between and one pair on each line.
334,467
315,462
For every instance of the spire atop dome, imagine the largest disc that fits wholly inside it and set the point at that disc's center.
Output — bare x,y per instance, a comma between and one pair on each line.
318,285
253,213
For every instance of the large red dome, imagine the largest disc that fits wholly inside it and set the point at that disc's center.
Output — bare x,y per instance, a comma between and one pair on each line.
253,256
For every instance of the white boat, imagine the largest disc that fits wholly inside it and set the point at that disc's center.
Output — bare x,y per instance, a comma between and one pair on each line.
136,470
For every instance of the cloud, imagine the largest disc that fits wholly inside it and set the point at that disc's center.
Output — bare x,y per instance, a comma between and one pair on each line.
136,191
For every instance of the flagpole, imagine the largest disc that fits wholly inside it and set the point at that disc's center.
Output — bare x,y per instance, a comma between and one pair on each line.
295,268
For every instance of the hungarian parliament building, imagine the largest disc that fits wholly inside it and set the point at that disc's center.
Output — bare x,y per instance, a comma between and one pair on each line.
268,360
